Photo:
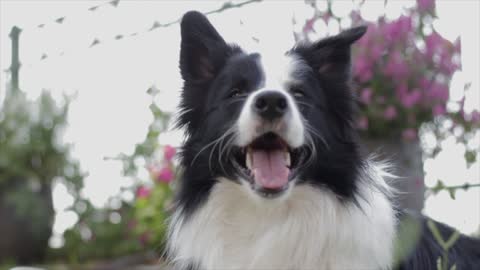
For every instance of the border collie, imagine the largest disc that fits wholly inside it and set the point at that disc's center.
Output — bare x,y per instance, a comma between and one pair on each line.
273,174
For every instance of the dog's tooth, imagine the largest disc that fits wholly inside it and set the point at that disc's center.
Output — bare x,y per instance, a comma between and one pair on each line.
248,157
287,158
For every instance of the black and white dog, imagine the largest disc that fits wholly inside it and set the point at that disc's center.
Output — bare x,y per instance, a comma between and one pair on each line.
273,174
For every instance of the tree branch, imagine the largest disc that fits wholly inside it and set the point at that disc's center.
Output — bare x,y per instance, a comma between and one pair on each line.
451,189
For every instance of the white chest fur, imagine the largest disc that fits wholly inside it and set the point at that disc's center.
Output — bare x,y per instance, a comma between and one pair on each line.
310,229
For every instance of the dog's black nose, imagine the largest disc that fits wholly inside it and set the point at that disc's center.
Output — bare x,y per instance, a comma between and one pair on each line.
270,104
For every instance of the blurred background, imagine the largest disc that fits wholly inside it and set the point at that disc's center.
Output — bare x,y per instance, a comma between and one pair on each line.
88,90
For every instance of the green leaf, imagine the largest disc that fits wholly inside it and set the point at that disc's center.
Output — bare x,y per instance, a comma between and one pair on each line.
439,263
470,156
407,237
438,237
446,245
438,187
451,192
451,241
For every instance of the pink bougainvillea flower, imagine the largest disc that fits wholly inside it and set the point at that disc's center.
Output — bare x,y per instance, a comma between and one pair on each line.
366,95
362,123
409,134
169,152
143,192
401,90
426,5
433,43
308,26
447,64
439,110
474,117
376,51
366,75
457,45
165,175
362,68
439,92
424,83
396,66
409,100
325,17
398,30
390,113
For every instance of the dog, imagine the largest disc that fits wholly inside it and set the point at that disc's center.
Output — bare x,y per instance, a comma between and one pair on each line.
274,176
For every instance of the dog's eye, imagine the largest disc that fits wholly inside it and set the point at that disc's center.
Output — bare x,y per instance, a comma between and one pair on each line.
297,92
236,92
238,89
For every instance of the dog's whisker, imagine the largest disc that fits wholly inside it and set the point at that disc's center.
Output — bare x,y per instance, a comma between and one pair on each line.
305,104
311,130
224,146
203,149
218,143
212,144
227,147
313,151
211,154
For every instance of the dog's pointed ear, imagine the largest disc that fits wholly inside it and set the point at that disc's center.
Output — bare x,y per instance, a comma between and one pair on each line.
202,49
331,55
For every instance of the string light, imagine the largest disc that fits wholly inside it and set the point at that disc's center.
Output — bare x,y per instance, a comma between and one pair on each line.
120,36
60,20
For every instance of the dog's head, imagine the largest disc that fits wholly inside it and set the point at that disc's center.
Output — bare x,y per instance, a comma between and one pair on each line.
268,123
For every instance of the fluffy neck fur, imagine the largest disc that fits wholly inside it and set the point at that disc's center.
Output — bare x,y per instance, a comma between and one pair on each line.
310,229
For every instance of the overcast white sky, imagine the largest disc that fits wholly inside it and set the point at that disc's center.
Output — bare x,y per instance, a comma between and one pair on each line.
110,113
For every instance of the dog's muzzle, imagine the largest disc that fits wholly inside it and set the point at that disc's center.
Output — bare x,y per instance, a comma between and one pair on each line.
269,132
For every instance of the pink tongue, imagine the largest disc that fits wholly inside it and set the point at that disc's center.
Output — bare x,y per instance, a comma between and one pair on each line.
270,169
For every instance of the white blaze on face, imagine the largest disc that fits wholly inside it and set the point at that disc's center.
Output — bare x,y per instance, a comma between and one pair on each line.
279,70
278,75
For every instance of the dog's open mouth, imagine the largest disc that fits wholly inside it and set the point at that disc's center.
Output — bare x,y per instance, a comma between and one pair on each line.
268,163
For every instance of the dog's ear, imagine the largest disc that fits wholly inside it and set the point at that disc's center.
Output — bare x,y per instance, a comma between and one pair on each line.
331,56
203,51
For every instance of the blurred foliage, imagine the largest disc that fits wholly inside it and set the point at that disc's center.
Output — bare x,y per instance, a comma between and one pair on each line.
30,147
32,160
153,195
127,226
98,234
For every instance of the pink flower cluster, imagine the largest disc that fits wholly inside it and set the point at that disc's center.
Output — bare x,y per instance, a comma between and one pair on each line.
143,192
153,200
161,173
426,6
169,152
164,172
403,75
